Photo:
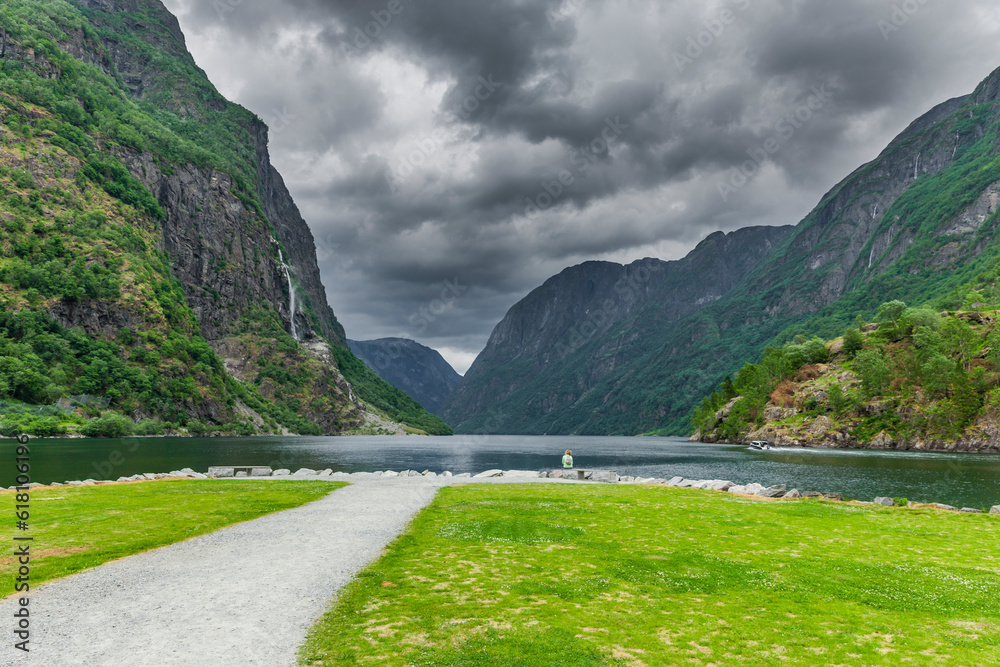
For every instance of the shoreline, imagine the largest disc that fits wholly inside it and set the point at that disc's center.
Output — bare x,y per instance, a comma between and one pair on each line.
752,490
934,447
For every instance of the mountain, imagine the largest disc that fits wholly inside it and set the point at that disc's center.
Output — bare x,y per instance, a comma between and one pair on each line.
418,370
916,224
151,258
550,363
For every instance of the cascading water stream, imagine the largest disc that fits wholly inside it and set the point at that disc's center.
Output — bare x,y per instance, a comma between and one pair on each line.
291,293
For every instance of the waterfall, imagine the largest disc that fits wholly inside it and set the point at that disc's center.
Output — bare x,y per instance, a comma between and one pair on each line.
291,293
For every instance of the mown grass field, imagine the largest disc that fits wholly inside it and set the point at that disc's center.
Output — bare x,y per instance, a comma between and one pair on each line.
554,575
75,528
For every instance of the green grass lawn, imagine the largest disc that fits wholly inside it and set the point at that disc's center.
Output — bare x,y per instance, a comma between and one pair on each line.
79,527
554,575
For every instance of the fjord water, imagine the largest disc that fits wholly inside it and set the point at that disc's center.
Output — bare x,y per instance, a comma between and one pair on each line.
964,480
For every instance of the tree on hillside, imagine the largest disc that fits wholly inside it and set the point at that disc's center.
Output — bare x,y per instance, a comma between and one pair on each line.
854,342
872,366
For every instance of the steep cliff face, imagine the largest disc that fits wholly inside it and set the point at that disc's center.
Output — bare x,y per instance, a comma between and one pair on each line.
144,210
416,369
916,223
296,238
558,349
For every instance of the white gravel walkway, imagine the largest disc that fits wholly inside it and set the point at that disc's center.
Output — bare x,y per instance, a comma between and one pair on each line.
245,595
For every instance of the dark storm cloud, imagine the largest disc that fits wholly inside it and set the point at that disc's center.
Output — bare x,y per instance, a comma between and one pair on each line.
494,142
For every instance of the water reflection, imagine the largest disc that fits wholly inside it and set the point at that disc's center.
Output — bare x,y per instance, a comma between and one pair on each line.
957,479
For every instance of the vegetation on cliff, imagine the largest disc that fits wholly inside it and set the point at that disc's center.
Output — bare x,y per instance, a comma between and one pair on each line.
94,313
916,378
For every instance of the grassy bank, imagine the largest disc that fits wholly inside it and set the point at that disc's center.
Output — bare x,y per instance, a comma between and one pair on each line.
579,576
79,527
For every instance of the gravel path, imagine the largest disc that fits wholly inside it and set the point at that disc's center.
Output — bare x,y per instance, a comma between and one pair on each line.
245,595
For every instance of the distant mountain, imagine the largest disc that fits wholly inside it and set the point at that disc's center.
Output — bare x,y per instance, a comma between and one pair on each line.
416,369
550,365
918,223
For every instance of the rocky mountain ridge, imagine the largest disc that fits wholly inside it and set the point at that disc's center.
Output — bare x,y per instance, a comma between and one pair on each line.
916,223
560,347
416,369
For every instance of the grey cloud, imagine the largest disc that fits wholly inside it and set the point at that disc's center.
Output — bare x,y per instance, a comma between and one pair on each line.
388,243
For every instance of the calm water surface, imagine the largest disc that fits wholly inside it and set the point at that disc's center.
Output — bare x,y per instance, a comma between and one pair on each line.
964,480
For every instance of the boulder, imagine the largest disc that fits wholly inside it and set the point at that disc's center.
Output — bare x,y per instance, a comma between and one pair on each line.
521,474
263,471
326,472
432,475
464,475
941,506
628,479
777,491
776,414
688,483
556,474
56,484
305,471
833,496
739,488
675,481
89,482
794,493
658,480
606,476
242,473
887,502
411,473
187,470
719,485
124,479
971,510
198,475
149,475
390,473
995,509
284,472
221,471
446,473
811,494
820,426
487,474
754,489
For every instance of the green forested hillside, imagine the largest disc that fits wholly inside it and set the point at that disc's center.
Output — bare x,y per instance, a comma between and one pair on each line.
139,275
914,379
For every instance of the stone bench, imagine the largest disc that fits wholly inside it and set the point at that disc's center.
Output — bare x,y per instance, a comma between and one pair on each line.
239,471
583,474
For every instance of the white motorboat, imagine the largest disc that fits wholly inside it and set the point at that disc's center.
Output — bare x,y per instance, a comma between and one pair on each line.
760,446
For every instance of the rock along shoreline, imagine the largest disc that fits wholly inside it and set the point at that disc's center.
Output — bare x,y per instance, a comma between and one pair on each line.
752,490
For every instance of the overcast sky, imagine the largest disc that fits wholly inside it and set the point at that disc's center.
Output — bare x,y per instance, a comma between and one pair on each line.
424,140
